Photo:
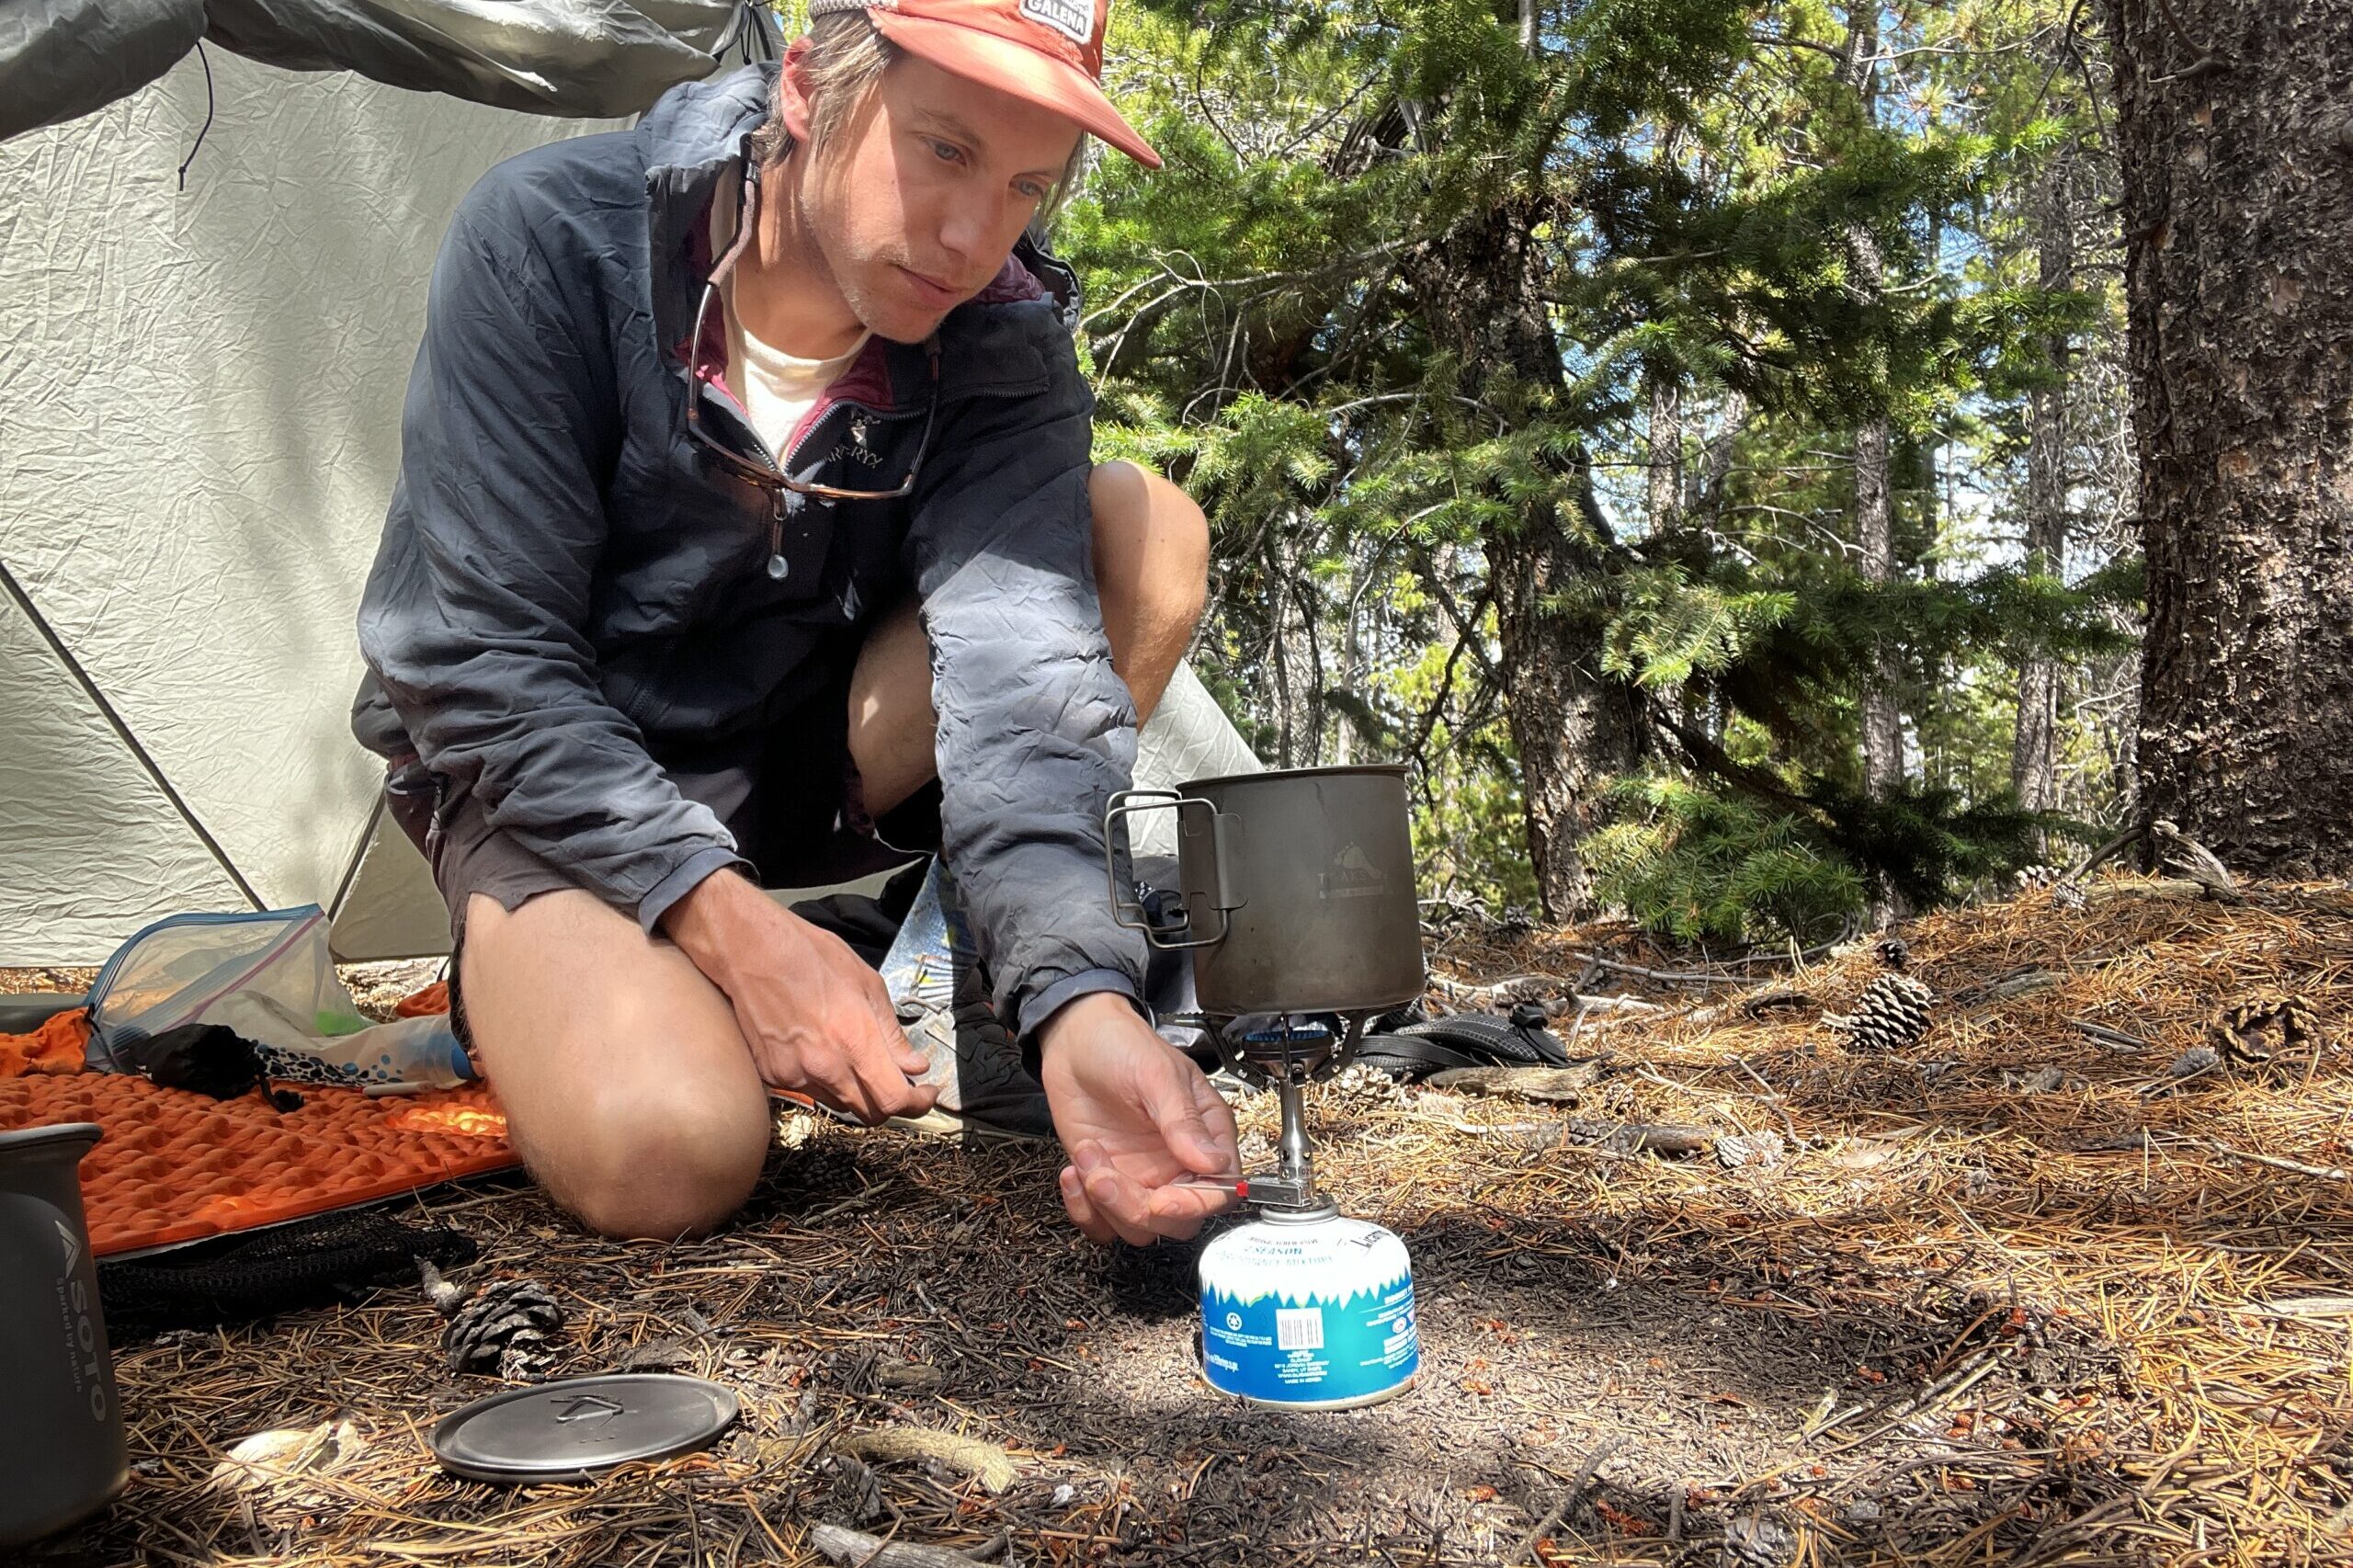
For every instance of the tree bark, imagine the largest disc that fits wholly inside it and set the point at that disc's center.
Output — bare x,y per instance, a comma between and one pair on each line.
1574,727
1663,499
2034,773
1875,539
2234,125
1874,511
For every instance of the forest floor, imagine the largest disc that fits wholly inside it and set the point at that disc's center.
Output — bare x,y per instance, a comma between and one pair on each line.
2016,1294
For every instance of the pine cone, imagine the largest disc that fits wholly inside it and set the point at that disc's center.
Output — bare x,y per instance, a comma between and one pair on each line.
2197,1060
1892,1014
1362,1084
2258,1027
507,1324
1735,1150
1893,951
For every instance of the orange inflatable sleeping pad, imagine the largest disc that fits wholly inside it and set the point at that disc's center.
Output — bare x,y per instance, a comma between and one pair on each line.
177,1166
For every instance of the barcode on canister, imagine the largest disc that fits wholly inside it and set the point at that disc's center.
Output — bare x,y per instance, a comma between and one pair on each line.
1299,1328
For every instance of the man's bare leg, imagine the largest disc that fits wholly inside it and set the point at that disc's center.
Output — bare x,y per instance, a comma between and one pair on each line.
627,1088
1152,553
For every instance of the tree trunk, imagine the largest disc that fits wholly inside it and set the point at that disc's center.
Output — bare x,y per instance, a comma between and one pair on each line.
2235,129
1572,726
2034,773
1875,536
1663,499
1874,511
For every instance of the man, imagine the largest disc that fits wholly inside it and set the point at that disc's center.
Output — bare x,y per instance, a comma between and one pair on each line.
745,478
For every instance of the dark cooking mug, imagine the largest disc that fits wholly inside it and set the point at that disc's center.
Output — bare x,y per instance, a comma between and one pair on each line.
1298,886
62,1452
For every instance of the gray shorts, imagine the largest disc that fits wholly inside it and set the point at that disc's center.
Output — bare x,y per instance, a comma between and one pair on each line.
791,799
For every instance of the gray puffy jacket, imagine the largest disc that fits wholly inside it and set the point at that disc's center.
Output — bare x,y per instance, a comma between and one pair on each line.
569,589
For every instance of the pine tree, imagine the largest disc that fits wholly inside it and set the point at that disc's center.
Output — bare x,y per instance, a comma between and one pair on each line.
1510,349
2232,120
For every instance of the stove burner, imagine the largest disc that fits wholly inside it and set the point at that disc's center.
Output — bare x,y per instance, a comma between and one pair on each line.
1285,1055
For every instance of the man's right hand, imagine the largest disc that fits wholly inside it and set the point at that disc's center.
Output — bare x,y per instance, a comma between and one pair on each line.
817,1020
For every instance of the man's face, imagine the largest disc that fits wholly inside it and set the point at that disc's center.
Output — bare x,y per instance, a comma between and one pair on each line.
914,202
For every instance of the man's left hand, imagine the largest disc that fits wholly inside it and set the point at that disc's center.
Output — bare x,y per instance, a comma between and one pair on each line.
1137,1118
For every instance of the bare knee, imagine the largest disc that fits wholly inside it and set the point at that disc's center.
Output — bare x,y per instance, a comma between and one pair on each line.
627,1088
658,1161
1152,555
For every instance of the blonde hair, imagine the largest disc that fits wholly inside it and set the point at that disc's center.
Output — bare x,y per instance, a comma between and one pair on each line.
848,55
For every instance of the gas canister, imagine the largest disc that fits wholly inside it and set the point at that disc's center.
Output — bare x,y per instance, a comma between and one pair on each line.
1308,1310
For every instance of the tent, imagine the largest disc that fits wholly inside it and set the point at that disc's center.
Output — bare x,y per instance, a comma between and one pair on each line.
199,403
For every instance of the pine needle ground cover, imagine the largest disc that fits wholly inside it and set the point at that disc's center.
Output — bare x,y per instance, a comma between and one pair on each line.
2023,1292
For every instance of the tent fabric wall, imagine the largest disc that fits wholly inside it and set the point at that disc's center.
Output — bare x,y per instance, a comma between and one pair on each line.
200,410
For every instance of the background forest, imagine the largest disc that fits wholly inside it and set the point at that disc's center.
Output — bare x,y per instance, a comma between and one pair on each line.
1693,432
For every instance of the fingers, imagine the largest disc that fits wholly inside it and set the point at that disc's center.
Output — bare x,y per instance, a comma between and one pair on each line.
1117,1204
1119,1200
1204,1139
871,1078
1218,1117
884,1082
1091,1225
909,1062
865,1080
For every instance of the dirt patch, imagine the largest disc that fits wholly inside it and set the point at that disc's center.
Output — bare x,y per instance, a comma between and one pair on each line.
1962,1319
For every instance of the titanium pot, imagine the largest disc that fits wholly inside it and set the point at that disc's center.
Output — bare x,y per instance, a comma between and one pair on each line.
62,1452
1298,889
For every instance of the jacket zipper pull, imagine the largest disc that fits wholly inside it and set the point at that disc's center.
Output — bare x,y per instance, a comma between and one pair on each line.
779,567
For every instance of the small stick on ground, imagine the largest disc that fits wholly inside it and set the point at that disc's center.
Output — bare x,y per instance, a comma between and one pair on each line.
2115,1040
842,1544
2323,1173
984,1462
1577,1483
1772,1099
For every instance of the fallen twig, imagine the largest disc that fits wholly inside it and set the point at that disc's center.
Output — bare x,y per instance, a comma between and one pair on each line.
843,1545
984,1462
2115,1040
1951,1384
1557,1086
1585,1470
2323,1173
1772,1099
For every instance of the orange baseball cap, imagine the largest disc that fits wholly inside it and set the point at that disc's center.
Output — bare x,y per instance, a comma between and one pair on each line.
1047,51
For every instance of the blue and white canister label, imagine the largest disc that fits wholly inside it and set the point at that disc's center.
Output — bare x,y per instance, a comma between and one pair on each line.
1313,1313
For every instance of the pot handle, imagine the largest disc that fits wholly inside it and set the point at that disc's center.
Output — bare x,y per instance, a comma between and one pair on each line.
1126,910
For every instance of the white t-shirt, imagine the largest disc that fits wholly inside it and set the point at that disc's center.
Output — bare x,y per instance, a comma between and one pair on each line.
775,388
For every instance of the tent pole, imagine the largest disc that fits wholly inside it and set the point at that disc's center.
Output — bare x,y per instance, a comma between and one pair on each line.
122,731
358,853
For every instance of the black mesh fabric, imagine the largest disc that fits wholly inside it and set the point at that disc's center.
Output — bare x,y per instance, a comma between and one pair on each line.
306,1263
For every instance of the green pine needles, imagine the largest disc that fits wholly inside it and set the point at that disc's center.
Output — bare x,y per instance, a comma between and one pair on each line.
1527,358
